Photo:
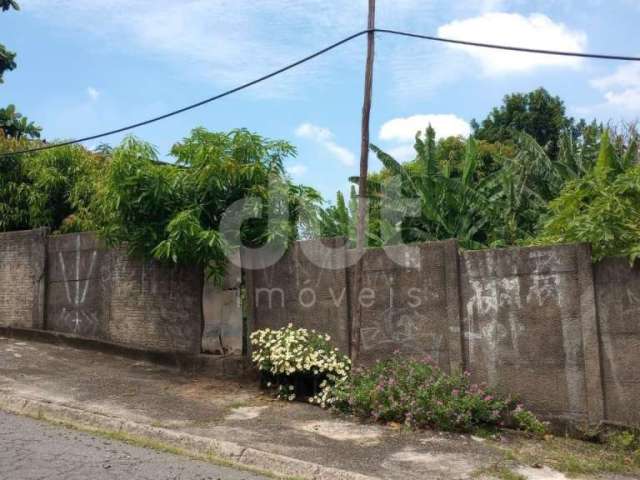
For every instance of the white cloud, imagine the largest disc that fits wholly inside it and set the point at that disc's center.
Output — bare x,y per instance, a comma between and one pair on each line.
628,99
93,93
225,42
405,128
621,89
228,42
401,132
627,75
402,153
324,137
297,169
533,31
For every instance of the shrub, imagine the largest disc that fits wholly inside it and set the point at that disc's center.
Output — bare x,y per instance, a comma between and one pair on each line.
420,395
290,355
625,441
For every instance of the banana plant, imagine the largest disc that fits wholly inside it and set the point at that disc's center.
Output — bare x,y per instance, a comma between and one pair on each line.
448,206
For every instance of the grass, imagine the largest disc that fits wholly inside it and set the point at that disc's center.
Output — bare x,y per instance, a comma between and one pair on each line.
500,472
156,445
570,456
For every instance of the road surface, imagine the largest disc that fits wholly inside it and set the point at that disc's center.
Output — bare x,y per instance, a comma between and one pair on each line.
31,449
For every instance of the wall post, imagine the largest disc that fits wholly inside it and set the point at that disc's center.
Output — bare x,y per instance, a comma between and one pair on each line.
453,298
590,336
40,277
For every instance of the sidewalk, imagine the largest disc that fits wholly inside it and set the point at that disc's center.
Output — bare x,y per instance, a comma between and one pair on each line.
233,421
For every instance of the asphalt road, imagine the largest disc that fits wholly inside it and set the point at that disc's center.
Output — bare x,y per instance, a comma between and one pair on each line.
31,449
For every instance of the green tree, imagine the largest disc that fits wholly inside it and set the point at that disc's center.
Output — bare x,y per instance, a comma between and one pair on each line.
448,206
7,61
7,4
174,212
536,113
12,123
46,189
7,58
602,207
339,220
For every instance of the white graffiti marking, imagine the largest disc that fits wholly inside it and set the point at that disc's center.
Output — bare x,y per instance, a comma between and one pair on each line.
76,313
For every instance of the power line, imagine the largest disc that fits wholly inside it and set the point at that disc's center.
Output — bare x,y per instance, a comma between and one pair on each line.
193,105
598,56
322,51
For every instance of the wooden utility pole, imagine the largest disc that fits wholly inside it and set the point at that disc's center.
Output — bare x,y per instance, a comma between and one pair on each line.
361,228
364,142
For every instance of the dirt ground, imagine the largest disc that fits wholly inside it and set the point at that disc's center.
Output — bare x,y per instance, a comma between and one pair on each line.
236,410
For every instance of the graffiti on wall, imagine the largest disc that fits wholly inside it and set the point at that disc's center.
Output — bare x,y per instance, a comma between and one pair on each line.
75,309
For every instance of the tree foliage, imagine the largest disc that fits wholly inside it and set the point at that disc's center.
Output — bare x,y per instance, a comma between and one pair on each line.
602,207
14,124
7,4
173,212
500,194
7,58
7,61
447,203
339,220
50,189
536,113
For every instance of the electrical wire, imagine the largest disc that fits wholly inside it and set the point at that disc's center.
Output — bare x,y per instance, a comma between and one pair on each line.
597,56
193,105
312,56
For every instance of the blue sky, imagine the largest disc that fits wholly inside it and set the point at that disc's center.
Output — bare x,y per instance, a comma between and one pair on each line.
88,65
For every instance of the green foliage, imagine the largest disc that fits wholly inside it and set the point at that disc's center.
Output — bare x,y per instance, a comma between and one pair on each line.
7,61
51,188
13,124
420,395
7,58
174,212
601,208
527,421
625,441
339,220
486,194
449,201
7,4
536,113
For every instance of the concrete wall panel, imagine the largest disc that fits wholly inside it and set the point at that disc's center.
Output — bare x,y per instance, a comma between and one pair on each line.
22,268
617,287
522,325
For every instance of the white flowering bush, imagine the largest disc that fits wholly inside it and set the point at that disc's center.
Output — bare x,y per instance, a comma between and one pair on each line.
290,358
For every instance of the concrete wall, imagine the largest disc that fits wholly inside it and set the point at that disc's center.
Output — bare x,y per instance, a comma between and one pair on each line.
408,301
542,323
539,322
98,293
22,267
297,291
617,287
153,307
78,281
222,311
525,314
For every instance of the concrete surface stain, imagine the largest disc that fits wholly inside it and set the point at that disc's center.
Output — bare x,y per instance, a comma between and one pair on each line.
344,431
245,413
544,473
455,464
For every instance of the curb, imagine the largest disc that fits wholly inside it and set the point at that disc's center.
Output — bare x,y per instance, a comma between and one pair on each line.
231,452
